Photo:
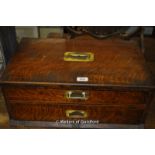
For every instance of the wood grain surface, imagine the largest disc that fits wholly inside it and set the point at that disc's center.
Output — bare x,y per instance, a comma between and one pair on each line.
57,96
117,62
105,114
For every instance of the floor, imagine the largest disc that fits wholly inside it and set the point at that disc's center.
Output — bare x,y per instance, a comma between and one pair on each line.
150,120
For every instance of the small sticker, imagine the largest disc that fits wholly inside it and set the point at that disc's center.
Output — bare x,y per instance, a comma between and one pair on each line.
82,79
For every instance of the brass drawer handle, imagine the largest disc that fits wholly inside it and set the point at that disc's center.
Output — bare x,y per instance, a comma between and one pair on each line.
76,114
79,56
76,94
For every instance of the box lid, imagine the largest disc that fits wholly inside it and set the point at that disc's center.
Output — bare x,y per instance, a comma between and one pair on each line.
41,61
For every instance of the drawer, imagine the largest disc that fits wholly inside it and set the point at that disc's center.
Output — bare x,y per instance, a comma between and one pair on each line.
103,114
56,96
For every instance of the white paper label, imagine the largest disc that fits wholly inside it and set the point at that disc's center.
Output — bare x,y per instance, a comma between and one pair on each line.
82,79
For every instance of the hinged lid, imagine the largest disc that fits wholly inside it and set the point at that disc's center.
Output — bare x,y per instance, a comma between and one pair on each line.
114,63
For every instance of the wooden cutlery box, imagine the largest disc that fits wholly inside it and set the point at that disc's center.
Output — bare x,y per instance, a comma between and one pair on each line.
49,80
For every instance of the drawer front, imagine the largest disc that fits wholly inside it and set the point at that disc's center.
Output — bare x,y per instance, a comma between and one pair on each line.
104,114
57,96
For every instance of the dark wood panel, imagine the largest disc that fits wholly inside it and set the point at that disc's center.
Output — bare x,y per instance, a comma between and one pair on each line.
149,48
105,114
56,96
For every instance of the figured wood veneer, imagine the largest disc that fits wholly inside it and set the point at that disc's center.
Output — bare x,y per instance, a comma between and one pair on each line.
56,96
119,84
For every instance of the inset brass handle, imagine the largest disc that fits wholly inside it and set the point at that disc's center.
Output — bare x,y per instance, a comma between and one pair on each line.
76,94
76,114
79,56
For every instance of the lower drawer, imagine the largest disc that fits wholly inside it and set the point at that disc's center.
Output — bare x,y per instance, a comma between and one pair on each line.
104,114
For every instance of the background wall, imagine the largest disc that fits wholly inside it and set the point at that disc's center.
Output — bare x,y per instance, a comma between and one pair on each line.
37,31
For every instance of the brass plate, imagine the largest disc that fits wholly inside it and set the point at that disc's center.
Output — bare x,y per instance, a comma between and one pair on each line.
79,56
